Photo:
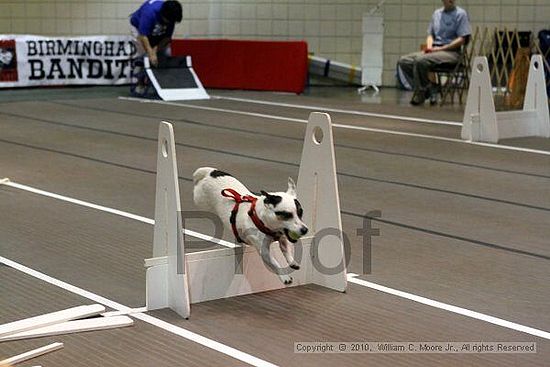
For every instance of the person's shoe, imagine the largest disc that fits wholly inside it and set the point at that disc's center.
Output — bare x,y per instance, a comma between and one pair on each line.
433,98
433,93
427,93
418,98
139,91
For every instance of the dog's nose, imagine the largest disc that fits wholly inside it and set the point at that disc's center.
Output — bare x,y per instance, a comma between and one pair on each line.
303,230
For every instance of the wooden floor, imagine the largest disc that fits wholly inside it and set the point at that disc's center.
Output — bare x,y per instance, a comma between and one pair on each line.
463,224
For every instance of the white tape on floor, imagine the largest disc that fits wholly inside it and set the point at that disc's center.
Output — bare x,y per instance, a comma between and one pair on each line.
344,126
214,109
189,335
338,110
351,278
112,211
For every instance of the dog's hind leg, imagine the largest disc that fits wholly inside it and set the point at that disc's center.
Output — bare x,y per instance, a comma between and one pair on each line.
288,251
273,264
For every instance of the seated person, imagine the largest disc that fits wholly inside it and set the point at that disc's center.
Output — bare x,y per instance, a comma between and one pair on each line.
447,32
153,26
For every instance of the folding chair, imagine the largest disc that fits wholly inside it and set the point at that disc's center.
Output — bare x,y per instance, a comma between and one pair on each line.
453,79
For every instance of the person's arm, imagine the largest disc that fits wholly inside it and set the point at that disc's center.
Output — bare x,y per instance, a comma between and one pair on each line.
430,37
456,44
146,25
429,42
151,51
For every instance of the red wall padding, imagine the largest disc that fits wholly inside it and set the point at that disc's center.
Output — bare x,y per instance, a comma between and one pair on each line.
255,65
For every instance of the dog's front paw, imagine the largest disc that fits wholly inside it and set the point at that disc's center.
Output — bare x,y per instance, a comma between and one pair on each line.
295,266
286,279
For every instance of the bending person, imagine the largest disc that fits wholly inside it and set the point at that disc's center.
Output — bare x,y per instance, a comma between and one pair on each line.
153,26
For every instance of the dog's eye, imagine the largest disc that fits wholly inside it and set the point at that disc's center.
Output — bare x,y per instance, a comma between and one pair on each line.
299,209
284,215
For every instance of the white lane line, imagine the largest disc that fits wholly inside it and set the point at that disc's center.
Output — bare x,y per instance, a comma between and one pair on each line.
184,333
352,278
337,110
215,109
121,213
344,126
68,287
78,202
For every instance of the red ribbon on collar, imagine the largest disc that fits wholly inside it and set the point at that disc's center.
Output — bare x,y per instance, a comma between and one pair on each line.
238,198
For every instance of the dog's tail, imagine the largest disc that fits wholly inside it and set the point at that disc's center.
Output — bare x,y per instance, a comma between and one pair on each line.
201,173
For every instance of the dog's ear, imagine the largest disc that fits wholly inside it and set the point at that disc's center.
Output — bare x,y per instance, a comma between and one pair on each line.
291,187
271,199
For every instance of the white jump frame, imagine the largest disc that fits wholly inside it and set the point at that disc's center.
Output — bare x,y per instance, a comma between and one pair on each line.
176,279
481,121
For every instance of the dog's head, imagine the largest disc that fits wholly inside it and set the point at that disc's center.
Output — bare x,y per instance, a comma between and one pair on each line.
284,212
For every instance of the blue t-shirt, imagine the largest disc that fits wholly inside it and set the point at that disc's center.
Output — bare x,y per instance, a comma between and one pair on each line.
148,21
446,26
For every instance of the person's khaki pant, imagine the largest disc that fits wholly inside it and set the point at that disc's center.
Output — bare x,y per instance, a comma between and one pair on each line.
417,66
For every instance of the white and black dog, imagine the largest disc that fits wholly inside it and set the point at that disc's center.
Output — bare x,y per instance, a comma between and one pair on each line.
257,220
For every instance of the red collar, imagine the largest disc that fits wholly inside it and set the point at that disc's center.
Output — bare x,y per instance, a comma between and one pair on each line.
232,194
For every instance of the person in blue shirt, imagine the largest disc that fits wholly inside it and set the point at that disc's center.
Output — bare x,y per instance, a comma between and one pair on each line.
153,25
449,29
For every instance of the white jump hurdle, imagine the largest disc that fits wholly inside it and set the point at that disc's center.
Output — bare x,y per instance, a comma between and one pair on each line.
176,279
481,121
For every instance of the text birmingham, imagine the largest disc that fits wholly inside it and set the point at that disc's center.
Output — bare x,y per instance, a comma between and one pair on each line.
77,59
